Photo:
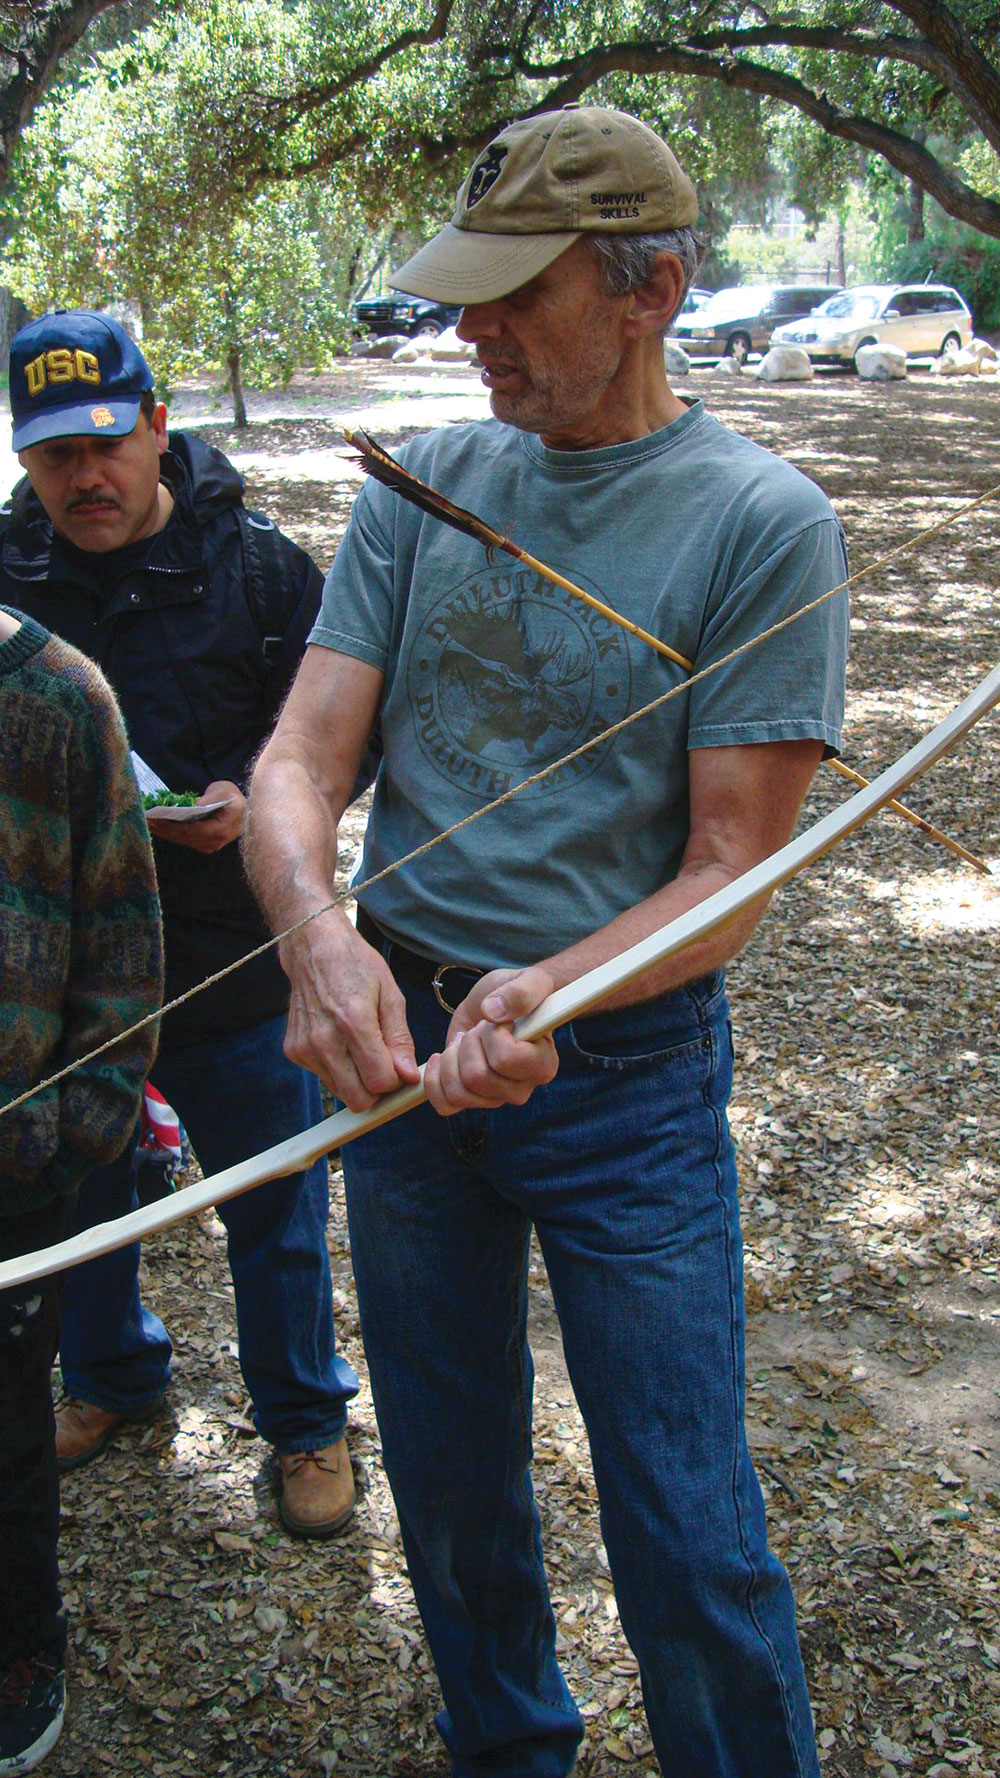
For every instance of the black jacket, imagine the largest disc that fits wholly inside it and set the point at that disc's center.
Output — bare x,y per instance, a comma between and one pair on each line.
200,663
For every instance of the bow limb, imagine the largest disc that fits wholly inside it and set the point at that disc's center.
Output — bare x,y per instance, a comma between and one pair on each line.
290,1156
565,1004
764,878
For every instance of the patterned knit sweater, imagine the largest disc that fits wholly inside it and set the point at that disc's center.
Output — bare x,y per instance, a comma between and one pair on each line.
80,943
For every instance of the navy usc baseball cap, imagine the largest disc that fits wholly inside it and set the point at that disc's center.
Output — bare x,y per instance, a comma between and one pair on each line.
72,374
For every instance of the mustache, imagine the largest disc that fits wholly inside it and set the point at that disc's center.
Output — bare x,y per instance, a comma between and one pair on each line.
90,501
489,360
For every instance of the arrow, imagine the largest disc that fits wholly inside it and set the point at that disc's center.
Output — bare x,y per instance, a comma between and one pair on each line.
565,1004
383,467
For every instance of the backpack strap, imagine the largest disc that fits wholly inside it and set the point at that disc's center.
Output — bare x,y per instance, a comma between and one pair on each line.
268,577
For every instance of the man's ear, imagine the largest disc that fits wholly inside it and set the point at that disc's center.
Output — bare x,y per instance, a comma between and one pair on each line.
158,425
654,305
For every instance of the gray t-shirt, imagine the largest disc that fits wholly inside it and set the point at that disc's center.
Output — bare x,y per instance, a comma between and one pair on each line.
492,672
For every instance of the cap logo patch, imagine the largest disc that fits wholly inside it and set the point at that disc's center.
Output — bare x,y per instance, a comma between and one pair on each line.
102,416
61,365
485,174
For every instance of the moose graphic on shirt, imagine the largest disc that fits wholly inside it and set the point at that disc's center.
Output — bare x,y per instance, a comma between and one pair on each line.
508,674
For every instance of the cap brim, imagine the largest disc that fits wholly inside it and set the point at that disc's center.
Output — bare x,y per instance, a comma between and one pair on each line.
464,265
77,422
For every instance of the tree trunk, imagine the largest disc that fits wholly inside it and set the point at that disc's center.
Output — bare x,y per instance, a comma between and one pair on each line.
915,214
915,208
236,387
841,261
13,315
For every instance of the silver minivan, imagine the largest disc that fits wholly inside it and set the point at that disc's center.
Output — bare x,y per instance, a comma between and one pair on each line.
924,319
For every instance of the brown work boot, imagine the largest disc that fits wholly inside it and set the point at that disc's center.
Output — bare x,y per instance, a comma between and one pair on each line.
84,1431
317,1490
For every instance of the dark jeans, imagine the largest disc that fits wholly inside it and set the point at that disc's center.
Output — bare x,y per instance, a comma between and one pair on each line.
31,1620
625,1167
234,1096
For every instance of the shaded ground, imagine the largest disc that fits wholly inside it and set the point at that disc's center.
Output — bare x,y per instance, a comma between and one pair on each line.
205,1641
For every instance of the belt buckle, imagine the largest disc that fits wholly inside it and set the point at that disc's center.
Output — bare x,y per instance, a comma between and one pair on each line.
444,969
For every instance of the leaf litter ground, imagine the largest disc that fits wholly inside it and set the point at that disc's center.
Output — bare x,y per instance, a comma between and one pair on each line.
203,1640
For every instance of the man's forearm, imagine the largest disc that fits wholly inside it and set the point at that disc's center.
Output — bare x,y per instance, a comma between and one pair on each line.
686,891
303,782
289,840
744,804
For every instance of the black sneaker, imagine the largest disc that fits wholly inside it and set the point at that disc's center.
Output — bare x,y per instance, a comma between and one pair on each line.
32,1707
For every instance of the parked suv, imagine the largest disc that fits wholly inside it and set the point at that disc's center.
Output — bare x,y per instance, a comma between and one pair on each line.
740,319
922,318
399,313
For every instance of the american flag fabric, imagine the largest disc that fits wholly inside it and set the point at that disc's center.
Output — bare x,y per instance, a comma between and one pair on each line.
160,1124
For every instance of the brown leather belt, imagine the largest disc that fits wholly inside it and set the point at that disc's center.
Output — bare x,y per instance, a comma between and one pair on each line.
450,982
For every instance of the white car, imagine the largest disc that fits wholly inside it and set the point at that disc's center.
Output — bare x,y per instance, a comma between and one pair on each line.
924,319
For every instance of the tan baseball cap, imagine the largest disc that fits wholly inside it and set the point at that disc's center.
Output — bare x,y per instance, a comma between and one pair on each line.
540,185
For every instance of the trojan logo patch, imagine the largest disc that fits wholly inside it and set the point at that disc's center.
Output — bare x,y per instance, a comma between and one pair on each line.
102,416
485,174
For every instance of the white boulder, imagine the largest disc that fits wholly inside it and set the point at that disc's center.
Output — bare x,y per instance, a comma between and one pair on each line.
956,364
986,353
408,354
381,345
447,348
729,367
785,364
675,359
880,364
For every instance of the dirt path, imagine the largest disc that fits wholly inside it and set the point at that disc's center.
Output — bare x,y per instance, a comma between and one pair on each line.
867,1111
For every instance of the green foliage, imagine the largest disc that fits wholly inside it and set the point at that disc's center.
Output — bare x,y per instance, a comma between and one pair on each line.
725,141
254,286
124,195
981,166
948,252
953,255
879,206
759,257
237,169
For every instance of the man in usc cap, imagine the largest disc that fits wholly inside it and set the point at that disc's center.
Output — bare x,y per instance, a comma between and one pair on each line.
571,248
134,545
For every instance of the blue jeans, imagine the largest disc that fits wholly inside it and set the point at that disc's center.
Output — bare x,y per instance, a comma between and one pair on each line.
234,1096
625,1167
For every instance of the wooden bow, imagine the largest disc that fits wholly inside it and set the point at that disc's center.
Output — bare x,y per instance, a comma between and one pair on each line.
565,1004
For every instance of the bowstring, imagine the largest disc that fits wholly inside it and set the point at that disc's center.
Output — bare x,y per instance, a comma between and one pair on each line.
507,796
